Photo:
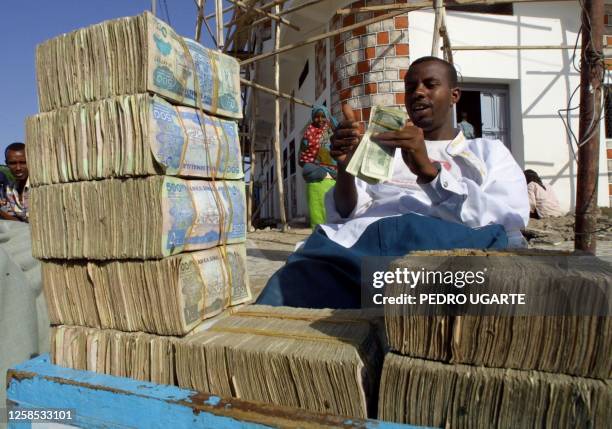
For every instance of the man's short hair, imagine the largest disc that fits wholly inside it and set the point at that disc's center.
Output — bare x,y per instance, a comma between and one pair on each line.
15,147
450,69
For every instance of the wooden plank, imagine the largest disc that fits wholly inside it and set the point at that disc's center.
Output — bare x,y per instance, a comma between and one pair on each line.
314,39
263,12
509,47
427,4
277,149
107,401
275,93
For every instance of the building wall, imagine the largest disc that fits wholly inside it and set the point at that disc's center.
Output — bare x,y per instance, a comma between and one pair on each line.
367,66
368,63
540,82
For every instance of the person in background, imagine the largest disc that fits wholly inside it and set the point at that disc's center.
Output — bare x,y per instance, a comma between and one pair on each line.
14,195
318,166
466,127
543,202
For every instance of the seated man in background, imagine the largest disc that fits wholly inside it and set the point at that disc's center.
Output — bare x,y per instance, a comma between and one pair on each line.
446,192
14,195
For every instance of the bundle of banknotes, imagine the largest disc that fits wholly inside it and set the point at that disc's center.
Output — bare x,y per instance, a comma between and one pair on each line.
127,136
146,218
433,394
521,341
168,296
136,55
319,360
372,162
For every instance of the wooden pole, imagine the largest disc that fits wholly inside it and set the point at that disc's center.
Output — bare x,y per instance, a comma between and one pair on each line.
154,7
509,47
263,12
219,23
253,162
277,149
275,93
264,7
425,4
314,39
435,39
591,79
199,20
290,10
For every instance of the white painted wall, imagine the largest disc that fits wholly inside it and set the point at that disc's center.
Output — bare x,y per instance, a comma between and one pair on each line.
540,81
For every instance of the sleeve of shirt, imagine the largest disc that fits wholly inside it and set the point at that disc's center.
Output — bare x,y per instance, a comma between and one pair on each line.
364,200
501,199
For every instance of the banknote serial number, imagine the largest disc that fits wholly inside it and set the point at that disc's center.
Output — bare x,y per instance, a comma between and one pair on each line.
39,415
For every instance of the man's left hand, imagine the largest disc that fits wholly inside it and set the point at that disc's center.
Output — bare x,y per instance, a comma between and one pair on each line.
411,141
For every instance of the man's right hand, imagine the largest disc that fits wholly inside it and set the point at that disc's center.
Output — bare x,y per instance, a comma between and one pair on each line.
346,138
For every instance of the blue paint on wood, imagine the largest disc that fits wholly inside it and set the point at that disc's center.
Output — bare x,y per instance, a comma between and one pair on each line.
103,401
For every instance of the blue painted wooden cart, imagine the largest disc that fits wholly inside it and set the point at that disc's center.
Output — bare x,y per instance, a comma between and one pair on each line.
105,401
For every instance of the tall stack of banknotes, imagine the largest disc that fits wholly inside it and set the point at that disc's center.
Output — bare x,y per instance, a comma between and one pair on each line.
499,369
138,215
138,198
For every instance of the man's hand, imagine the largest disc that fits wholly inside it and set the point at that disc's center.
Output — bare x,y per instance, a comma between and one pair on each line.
346,138
411,141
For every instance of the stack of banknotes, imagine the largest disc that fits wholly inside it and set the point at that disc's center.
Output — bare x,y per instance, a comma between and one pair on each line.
435,394
138,207
320,360
128,136
506,366
131,56
372,162
169,296
144,218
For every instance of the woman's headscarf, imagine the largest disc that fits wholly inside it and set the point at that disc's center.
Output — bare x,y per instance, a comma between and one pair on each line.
532,176
318,108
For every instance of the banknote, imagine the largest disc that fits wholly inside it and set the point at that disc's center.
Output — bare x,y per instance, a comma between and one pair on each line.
135,55
133,135
372,162
139,218
181,290
236,262
234,203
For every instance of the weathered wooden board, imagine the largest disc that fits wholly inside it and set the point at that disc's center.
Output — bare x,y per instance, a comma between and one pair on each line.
107,401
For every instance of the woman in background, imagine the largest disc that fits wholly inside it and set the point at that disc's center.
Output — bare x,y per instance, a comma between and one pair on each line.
318,167
543,202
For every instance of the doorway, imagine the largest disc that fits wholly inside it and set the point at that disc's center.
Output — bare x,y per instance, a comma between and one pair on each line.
487,108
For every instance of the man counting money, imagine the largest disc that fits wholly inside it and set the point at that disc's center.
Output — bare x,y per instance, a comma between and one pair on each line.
445,192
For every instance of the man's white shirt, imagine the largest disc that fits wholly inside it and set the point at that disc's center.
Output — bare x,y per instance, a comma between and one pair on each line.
479,183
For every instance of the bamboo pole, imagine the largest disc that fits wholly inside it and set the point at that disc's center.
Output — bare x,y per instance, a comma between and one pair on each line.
264,7
291,9
253,131
326,35
199,20
263,12
275,93
435,39
277,149
219,23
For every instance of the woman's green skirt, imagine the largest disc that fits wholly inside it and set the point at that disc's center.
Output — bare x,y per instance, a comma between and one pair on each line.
316,200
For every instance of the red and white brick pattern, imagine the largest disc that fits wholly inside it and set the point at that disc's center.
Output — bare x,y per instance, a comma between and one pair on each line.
369,63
